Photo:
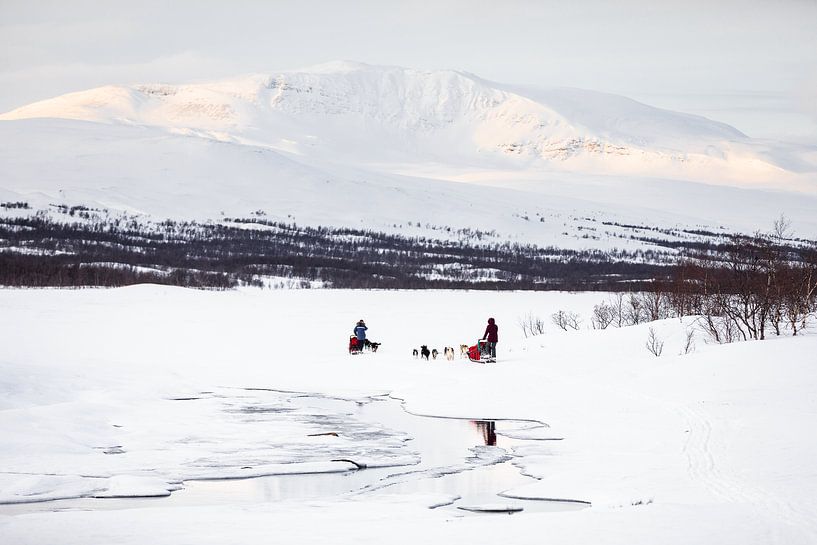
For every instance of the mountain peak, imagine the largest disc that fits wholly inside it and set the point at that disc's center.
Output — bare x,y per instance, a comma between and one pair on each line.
347,107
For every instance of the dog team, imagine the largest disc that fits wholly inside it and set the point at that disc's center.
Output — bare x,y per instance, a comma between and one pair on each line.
358,342
448,352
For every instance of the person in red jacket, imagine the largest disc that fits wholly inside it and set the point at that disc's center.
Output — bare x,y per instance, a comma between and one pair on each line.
492,335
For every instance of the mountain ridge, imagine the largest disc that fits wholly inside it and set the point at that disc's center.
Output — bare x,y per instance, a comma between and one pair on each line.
348,144
451,106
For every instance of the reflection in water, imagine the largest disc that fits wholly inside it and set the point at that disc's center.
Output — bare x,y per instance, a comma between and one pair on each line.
449,463
488,430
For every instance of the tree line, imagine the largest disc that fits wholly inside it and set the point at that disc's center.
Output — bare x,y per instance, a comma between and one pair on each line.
742,286
38,250
756,286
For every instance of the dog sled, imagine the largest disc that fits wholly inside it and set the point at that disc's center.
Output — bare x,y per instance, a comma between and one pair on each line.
480,353
355,346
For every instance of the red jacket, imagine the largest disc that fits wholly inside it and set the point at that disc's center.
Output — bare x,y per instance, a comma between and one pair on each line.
491,332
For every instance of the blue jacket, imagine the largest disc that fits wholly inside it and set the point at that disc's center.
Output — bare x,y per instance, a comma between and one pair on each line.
360,332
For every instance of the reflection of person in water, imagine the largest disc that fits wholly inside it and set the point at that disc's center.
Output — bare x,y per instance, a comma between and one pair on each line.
488,429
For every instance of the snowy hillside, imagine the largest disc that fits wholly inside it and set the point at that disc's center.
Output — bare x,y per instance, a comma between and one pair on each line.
351,144
435,113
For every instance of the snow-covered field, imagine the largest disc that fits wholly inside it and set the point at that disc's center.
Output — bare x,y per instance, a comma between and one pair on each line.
126,392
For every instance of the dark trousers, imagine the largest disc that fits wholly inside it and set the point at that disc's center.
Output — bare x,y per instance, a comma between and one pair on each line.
492,349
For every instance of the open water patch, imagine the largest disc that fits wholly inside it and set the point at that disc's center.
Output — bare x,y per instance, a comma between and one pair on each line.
469,461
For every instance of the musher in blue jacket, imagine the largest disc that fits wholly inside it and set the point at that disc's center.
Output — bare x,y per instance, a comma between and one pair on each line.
360,333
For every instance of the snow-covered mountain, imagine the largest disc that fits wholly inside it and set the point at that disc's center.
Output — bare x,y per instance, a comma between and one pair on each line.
441,113
348,143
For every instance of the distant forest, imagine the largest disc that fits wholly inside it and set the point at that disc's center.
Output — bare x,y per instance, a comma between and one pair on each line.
80,247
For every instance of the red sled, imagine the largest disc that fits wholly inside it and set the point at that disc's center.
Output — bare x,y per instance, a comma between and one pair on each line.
479,353
354,346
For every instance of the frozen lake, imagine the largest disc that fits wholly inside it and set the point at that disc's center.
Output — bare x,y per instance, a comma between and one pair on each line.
188,395
469,460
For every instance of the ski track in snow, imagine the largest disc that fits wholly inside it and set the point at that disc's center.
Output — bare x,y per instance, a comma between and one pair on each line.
704,467
715,475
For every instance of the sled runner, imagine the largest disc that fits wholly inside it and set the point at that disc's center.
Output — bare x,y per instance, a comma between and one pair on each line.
479,353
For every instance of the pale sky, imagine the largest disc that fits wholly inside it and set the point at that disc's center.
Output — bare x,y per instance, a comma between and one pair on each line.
750,63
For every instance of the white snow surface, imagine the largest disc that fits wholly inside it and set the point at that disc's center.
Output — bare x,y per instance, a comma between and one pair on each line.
350,144
116,393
